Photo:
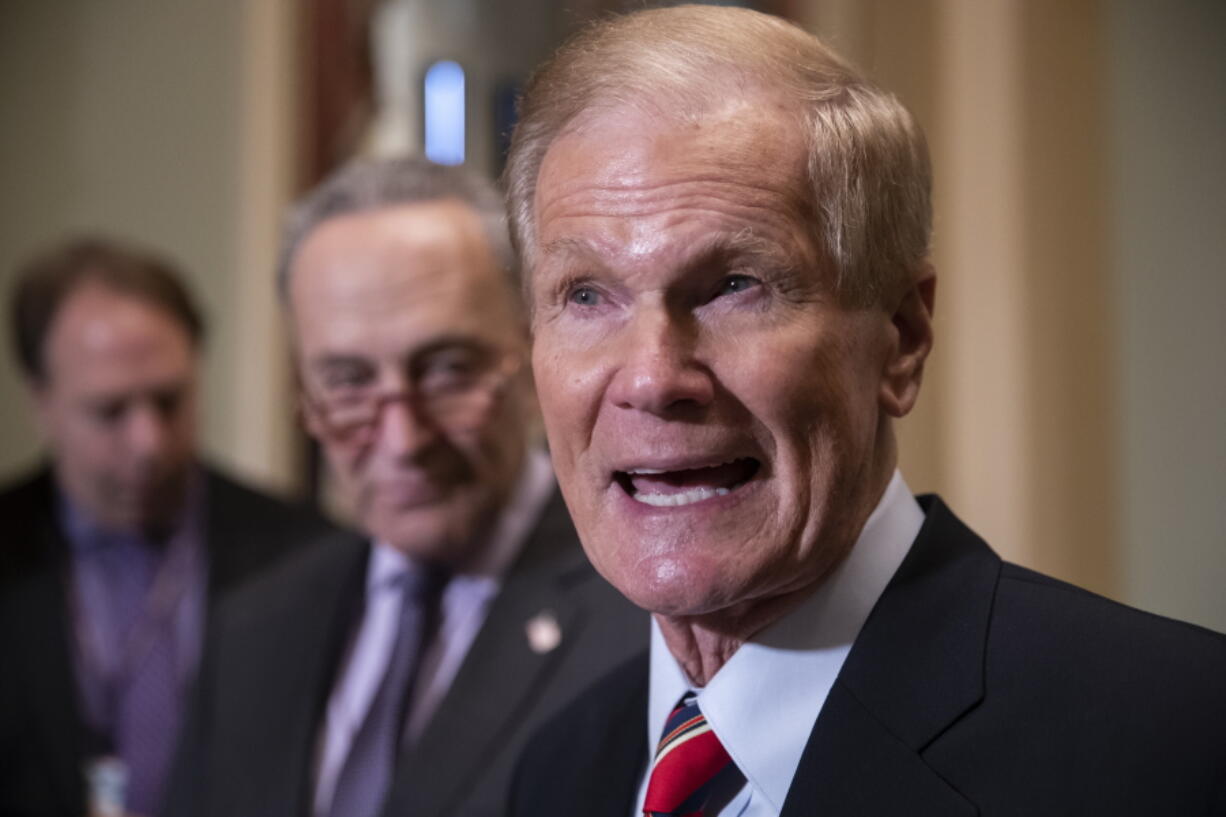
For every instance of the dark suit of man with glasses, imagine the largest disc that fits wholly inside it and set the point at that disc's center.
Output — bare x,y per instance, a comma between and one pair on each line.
400,672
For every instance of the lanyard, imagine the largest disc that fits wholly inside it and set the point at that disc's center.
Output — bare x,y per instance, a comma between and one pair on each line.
107,667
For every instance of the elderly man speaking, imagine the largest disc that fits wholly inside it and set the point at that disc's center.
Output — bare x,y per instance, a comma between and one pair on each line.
727,233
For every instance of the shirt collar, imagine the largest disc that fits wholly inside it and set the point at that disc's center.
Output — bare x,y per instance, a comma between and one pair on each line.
84,533
507,535
787,670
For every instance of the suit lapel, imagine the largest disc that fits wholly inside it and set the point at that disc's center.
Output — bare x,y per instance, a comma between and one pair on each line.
853,765
589,760
223,536
915,668
289,655
617,762
44,659
47,641
477,715
231,538
611,761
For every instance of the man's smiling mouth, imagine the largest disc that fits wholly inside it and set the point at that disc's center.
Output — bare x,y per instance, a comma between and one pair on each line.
663,487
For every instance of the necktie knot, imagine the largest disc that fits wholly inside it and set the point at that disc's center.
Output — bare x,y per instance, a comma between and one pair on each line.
692,770
421,583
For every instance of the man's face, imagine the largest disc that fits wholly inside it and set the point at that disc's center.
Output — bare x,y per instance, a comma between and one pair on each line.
118,407
402,302
713,412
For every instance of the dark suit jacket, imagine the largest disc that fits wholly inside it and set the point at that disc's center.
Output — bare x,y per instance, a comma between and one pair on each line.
276,653
42,735
975,687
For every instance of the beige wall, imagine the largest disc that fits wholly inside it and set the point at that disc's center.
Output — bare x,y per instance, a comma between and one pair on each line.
1168,166
140,119
1016,422
1073,407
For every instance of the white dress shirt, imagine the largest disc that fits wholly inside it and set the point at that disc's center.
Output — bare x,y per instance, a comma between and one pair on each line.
762,704
463,607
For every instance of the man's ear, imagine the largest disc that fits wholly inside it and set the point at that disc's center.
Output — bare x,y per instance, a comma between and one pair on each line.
309,416
912,341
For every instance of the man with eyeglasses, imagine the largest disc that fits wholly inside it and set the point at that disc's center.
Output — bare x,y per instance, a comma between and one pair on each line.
401,672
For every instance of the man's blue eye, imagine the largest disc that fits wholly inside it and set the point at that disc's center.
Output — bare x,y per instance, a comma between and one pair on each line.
584,296
736,283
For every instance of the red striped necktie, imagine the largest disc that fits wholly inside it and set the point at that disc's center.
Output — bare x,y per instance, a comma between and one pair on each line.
692,772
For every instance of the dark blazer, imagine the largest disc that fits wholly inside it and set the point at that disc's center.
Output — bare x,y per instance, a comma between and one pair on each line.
277,649
42,735
975,687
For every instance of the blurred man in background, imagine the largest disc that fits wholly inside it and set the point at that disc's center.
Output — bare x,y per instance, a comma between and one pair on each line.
726,233
112,551
401,672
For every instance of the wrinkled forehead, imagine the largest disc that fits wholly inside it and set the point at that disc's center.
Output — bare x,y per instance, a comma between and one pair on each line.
384,282
745,153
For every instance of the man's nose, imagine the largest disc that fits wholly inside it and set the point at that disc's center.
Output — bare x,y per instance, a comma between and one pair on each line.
146,430
659,372
404,429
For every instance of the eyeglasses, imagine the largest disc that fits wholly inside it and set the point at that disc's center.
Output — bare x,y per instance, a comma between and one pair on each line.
450,397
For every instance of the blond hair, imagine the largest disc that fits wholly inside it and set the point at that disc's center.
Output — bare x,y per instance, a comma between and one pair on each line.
868,167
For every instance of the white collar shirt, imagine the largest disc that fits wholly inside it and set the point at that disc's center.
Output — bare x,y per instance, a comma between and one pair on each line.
763,703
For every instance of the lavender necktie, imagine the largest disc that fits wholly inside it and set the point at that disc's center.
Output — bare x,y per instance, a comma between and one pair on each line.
366,776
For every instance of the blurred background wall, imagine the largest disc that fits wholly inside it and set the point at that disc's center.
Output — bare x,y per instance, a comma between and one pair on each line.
1073,408
167,123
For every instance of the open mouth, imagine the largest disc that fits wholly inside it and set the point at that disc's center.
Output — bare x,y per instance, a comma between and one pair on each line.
686,486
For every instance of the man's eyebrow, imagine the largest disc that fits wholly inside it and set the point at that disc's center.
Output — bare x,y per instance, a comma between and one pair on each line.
437,345
450,341
172,385
339,361
745,244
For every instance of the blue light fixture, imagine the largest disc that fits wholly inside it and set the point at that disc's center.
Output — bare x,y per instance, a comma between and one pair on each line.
444,113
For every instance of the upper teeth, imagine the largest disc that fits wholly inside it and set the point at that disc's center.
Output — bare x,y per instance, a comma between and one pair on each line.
683,498
649,471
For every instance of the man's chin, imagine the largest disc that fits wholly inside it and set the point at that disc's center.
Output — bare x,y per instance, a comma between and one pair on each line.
148,506
423,534
140,520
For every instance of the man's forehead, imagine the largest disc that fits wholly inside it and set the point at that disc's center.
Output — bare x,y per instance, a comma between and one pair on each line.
381,285
113,376
647,179
633,137
393,252
414,227
97,326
